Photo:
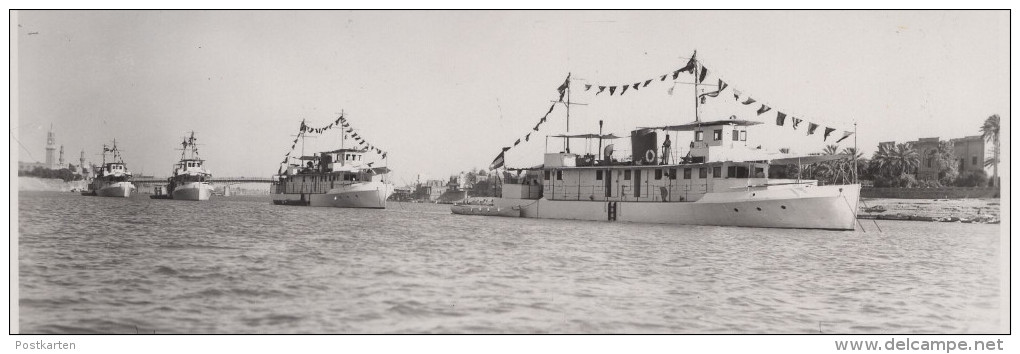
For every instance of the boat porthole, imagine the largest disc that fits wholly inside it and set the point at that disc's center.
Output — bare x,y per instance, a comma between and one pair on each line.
841,190
759,209
735,210
782,206
752,194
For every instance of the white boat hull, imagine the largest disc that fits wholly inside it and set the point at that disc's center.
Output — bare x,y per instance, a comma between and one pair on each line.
193,191
358,195
808,207
118,189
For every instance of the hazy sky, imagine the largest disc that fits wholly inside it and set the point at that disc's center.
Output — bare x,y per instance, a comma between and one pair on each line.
443,91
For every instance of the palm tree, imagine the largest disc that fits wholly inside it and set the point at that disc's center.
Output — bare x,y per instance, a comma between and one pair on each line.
856,159
894,161
990,132
906,159
943,160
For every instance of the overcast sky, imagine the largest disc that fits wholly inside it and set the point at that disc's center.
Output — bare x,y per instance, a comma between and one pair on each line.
443,91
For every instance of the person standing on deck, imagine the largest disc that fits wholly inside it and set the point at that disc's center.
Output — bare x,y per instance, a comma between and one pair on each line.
665,150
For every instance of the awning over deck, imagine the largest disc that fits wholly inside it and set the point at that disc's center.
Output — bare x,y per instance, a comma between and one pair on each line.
586,136
809,159
692,126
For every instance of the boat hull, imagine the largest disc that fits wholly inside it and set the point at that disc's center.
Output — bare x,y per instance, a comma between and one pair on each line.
116,190
486,210
804,207
359,195
193,191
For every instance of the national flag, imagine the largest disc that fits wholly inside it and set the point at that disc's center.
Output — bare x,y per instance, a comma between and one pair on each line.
563,87
497,162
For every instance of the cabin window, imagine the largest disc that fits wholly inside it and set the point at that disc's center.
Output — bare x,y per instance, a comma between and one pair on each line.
737,171
687,173
703,172
973,160
658,174
626,175
672,173
598,175
736,135
699,135
717,172
717,134
743,135
546,173
759,172
559,175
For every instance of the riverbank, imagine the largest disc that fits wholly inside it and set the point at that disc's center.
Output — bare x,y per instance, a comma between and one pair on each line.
945,210
48,184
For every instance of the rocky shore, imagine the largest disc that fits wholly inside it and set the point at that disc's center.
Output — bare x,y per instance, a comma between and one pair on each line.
943,210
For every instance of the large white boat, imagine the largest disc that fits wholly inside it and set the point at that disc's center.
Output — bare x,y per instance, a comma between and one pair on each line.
342,178
190,179
112,179
338,178
721,180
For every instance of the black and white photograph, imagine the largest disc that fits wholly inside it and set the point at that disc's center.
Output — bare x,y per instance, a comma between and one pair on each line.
686,172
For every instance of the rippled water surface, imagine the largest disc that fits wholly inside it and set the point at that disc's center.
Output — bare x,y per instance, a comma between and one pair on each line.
243,265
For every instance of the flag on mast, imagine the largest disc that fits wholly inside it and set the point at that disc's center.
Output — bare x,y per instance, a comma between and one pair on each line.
498,162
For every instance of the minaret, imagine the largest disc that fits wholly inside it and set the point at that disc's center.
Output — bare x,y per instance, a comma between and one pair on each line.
81,163
61,163
51,147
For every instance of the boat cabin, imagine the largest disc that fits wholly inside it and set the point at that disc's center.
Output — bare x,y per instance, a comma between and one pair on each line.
191,170
191,166
327,170
717,159
114,168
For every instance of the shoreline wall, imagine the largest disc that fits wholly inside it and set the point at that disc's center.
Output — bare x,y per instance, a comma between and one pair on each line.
931,193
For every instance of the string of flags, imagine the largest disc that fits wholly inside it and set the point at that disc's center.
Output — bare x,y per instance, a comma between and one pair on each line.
700,72
562,89
690,67
340,123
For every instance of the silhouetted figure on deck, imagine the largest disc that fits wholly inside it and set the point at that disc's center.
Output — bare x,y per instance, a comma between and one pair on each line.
665,150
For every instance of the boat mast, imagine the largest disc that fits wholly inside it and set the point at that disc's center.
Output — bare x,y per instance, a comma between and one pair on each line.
568,111
697,104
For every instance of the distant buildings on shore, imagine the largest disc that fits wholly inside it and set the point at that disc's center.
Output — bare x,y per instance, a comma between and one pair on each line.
968,152
54,157
440,190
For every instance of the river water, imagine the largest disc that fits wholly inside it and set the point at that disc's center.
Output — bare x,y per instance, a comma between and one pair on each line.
243,265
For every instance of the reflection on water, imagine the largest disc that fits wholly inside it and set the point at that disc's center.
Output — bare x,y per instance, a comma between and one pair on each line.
236,265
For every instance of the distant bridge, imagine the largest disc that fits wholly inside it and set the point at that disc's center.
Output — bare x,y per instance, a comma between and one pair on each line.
211,180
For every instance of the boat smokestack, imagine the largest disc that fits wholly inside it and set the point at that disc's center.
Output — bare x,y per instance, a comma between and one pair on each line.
644,144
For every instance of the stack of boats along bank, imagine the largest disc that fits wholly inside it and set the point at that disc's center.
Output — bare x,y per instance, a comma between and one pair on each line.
720,181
